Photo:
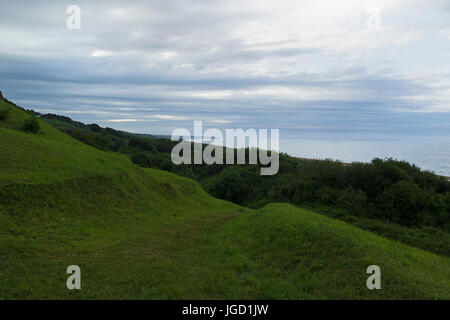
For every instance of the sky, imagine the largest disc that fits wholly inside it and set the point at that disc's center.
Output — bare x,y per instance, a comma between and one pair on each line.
351,69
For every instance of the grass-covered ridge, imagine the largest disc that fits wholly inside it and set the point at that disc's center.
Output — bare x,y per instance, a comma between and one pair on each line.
148,234
291,253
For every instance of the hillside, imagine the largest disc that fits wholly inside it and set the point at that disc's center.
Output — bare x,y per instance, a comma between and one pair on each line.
148,234
284,252
392,198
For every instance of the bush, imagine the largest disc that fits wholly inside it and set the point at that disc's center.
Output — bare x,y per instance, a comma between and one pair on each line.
142,144
95,140
304,192
142,159
403,201
32,125
353,200
4,114
328,196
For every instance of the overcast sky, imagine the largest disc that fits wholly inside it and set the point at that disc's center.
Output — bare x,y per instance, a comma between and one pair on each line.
310,68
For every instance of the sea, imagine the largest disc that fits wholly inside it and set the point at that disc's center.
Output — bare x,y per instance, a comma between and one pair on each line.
428,154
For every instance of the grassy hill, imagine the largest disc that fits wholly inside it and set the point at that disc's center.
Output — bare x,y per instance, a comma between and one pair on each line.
148,234
392,198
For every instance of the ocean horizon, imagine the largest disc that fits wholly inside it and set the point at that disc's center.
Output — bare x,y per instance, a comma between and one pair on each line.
428,154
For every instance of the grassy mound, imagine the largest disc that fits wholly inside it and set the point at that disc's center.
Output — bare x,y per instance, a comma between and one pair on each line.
284,252
144,233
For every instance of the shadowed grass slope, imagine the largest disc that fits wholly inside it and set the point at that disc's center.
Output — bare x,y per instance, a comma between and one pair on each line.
60,199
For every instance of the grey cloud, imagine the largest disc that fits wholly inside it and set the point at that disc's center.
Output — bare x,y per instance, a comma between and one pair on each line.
47,67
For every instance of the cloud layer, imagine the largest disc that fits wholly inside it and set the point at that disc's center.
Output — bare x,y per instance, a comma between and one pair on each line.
307,67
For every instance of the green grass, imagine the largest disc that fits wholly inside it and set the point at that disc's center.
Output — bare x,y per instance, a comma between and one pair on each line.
428,238
284,252
148,234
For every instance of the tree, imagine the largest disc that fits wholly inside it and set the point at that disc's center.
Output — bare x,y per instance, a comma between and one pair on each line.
4,114
32,125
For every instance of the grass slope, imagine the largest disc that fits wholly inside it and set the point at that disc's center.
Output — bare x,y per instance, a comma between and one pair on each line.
143,233
284,252
63,202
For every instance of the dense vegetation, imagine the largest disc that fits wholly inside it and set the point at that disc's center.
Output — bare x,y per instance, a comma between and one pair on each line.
140,233
383,189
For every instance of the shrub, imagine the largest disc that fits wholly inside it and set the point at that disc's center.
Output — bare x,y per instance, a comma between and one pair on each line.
95,140
328,196
32,125
402,199
142,159
142,144
353,200
304,192
4,114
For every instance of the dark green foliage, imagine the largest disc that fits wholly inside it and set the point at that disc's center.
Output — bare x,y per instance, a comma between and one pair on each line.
142,159
143,144
31,125
96,140
161,161
4,114
354,201
388,190
234,184
427,238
